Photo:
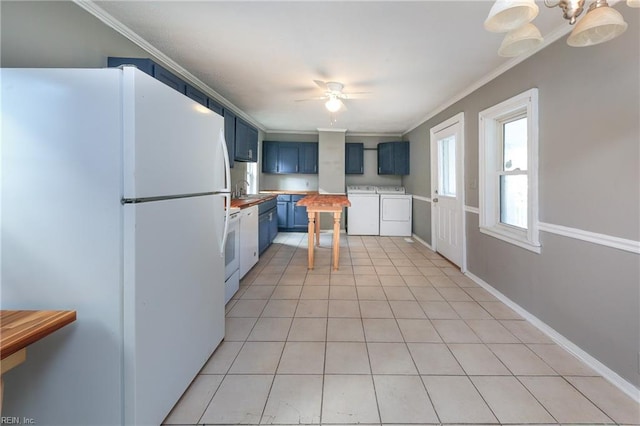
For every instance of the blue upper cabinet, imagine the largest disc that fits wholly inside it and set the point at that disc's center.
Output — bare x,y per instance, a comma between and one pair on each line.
289,157
393,158
246,149
354,159
215,107
308,158
196,95
270,157
170,79
230,134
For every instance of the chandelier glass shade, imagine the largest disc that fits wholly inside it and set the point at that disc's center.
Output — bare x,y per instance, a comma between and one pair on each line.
508,15
520,40
601,23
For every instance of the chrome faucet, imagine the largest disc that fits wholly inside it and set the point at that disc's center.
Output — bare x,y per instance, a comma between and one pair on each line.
239,191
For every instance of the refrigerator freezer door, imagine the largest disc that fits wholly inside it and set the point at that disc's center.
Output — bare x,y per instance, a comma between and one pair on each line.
170,142
174,301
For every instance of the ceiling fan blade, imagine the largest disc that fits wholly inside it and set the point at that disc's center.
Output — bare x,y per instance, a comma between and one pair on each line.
321,84
343,106
316,98
356,95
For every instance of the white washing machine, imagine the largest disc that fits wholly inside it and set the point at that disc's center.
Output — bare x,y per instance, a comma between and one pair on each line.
363,217
395,211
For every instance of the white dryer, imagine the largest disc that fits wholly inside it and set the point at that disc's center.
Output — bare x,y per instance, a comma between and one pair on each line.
363,216
395,211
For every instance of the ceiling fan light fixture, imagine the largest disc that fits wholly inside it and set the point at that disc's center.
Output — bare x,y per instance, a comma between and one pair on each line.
508,15
521,40
601,23
333,104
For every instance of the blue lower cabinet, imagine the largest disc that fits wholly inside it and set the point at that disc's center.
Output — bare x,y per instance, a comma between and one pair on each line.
291,218
273,225
263,232
283,214
267,229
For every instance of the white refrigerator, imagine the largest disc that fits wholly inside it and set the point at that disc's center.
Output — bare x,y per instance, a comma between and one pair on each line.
112,204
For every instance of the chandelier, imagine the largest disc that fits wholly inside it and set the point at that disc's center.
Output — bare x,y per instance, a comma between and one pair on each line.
601,23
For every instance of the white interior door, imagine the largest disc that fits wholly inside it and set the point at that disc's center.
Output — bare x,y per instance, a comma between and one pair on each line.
447,197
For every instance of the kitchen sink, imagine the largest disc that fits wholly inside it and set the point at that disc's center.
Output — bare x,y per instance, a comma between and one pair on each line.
252,196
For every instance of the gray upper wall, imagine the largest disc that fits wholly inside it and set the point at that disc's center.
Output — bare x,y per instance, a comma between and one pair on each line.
589,174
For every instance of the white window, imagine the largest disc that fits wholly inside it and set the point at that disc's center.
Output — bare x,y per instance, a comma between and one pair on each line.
509,170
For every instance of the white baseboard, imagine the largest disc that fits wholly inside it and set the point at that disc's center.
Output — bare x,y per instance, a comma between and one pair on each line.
421,241
599,367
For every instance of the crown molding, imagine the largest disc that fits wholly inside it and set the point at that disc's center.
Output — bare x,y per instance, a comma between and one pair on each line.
91,7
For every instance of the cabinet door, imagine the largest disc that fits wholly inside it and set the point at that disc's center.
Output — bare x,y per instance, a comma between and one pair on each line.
246,142
269,157
230,134
299,217
263,232
242,151
252,144
385,158
273,225
354,159
196,95
283,214
287,157
162,74
215,107
401,158
308,157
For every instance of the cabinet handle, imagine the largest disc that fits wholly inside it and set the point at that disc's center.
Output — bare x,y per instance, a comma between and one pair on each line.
296,168
315,168
250,153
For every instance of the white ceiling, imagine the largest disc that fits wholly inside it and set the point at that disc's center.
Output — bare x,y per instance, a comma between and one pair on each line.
262,56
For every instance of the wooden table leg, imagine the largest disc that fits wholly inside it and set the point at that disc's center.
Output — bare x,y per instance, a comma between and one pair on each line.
311,232
336,239
7,364
317,228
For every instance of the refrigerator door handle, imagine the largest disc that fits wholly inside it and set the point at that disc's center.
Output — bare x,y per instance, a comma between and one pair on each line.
227,189
226,223
227,166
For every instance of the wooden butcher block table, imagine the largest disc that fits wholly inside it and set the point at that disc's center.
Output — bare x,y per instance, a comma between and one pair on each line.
319,203
19,329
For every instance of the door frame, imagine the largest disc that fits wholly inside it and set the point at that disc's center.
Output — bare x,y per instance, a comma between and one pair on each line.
457,119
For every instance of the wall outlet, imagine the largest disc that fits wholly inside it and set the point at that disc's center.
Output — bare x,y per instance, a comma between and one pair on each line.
307,183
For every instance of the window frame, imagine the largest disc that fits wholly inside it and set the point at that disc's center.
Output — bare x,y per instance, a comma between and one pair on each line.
490,168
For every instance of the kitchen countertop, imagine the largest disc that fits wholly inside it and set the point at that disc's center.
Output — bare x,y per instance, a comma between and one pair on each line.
265,195
287,192
251,200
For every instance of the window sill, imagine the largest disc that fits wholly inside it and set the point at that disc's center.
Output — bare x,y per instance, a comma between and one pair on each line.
512,239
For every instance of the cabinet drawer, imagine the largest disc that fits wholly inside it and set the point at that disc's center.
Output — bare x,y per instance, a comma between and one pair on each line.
267,205
284,197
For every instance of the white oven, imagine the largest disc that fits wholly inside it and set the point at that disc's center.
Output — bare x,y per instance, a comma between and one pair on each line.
232,255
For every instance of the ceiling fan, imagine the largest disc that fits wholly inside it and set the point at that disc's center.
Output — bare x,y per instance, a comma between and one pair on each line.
333,95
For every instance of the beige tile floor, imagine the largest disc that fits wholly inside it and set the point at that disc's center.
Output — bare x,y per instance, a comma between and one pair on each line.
396,336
